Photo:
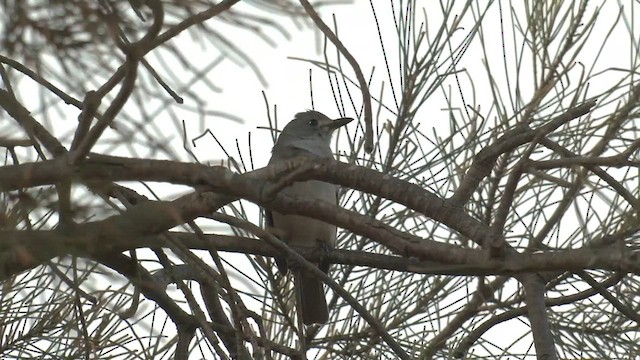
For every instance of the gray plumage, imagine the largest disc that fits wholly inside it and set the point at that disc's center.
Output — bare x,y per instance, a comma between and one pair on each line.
308,134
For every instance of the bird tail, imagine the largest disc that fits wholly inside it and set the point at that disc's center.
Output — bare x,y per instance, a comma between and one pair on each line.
311,299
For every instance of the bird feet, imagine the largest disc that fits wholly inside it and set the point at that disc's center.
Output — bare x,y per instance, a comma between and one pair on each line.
325,249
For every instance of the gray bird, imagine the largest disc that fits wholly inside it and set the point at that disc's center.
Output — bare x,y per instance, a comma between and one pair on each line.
308,134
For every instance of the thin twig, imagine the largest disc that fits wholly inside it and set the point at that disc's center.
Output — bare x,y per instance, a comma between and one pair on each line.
364,87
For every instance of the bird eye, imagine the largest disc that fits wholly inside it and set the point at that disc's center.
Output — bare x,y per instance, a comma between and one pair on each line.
313,122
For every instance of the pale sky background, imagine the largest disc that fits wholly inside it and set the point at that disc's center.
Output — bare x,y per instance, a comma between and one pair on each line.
288,79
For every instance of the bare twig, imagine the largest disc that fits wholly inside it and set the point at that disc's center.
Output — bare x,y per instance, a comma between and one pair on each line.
364,87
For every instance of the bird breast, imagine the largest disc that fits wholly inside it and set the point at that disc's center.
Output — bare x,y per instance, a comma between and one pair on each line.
303,231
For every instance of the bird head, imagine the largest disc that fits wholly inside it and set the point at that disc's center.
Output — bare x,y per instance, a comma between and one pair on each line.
308,134
312,124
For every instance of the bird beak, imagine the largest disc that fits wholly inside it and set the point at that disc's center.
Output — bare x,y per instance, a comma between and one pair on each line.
339,123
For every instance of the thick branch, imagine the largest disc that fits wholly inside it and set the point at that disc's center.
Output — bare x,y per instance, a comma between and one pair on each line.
537,313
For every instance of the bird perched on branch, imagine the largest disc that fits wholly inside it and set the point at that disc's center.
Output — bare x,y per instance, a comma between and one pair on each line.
308,134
